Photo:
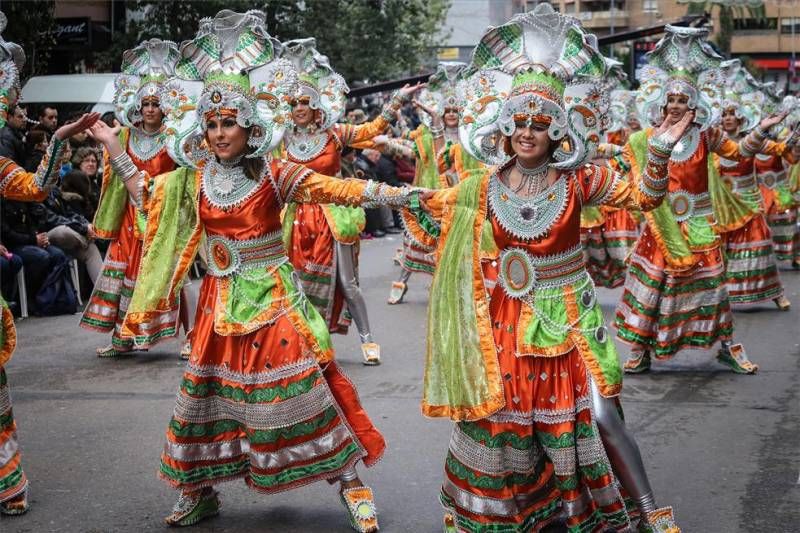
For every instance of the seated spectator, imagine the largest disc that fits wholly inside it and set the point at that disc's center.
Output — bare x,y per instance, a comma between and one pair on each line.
71,231
35,148
12,135
86,160
24,235
10,265
76,191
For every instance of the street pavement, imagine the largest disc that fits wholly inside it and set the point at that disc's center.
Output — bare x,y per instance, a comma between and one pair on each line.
721,448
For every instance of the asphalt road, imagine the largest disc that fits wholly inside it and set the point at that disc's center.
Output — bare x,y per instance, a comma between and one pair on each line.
721,448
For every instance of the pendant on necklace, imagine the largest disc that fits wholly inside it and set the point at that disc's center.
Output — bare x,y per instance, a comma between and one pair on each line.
527,213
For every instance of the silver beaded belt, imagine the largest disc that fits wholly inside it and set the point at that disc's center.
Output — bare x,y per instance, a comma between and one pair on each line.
685,205
521,272
229,256
771,179
741,183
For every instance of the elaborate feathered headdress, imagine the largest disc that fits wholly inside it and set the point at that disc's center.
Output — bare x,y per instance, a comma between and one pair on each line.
521,69
683,62
230,67
740,93
442,90
145,71
325,88
12,59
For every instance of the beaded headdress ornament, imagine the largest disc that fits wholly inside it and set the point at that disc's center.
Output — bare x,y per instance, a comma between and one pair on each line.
683,62
145,71
442,90
12,59
519,71
230,68
325,89
740,93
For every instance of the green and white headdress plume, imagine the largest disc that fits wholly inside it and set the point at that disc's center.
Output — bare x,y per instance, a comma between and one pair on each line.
325,88
740,93
145,71
521,69
623,109
442,90
230,67
12,59
683,62
615,85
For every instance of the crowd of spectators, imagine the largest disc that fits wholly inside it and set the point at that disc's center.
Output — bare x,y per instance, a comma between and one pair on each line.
45,236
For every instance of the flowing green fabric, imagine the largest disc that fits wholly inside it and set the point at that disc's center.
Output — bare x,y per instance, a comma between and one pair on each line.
346,222
253,290
113,200
661,218
427,167
173,221
457,376
469,165
289,216
731,210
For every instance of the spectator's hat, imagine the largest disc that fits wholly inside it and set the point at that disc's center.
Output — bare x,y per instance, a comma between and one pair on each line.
230,68
519,74
683,62
12,59
441,91
323,87
145,71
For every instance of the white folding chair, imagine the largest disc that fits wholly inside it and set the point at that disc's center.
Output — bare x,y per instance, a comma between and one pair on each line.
76,279
22,293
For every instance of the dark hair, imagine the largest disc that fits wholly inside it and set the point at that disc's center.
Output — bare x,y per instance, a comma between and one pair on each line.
35,137
78,182
43,109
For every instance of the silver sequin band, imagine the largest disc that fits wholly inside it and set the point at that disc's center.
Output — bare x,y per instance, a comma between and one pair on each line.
123,166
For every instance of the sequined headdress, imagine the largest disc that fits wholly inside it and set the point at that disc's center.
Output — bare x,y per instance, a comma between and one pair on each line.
683,62
442,90
231,68
12,59
325,88
740,93
521,70
145,71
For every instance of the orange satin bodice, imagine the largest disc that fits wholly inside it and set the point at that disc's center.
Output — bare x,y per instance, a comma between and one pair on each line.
256,217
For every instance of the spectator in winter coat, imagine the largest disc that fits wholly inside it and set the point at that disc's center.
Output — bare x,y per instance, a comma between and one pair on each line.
24,235
72,232
12,135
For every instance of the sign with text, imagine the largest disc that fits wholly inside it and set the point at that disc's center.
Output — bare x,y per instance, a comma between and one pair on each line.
74,31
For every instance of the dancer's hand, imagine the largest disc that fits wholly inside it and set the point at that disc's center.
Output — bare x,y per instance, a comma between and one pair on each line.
770,121
102,133
68,130
408,91
423,201
676,131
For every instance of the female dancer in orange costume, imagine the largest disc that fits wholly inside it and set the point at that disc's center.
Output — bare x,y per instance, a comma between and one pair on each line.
139,91
675,295
16,184
527,368
323,239
262,398
751,269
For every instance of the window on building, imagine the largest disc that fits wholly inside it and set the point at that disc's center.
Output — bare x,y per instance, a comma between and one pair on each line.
790,23
649,6
750,24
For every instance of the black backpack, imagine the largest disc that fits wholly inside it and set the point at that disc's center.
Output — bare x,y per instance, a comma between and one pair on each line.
57,295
